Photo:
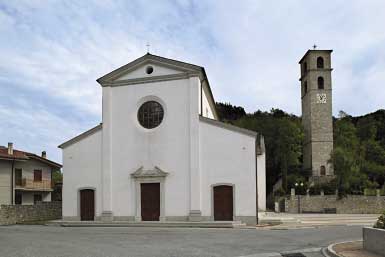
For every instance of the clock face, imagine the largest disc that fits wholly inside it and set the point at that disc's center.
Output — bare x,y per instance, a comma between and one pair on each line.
321,98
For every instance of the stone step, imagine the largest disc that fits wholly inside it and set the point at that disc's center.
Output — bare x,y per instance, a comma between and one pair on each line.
214,224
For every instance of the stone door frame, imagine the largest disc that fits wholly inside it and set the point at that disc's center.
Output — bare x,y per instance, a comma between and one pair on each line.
142,176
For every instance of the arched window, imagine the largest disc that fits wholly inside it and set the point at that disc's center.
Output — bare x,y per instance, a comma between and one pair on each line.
320,83
305,87
304,67
320,63
322,170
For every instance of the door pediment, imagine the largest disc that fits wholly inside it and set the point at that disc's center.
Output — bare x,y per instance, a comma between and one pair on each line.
152,173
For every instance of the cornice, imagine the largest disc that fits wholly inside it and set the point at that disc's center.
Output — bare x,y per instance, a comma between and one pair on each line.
125,82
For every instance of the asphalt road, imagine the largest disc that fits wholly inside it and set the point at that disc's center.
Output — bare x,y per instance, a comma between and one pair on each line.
44,241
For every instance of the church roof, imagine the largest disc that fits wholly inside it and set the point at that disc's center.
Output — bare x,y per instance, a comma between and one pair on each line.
81,136
259,138
228,126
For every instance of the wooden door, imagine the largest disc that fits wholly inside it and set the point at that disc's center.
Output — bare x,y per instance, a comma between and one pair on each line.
150,201
87,204
223,203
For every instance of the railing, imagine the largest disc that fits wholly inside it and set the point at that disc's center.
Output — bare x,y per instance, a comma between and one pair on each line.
26,183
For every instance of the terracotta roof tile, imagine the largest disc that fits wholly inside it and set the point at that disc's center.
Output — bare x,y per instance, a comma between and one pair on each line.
21,155
16,154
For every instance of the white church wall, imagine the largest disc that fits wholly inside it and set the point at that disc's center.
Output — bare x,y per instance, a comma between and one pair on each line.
207,110
166,146
81,169
140,72
228,157
261,173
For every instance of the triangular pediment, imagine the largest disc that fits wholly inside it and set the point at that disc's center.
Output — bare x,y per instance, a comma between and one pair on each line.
150,67
151,173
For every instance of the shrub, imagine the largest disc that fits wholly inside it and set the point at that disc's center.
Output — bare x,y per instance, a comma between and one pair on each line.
380,222
329,188
370,192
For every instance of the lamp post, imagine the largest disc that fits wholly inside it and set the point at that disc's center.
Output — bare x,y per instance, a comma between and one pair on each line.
297,186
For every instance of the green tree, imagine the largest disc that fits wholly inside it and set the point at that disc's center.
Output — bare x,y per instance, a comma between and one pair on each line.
57,176
344,155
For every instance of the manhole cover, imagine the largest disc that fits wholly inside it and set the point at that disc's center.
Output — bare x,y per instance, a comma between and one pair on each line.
293,255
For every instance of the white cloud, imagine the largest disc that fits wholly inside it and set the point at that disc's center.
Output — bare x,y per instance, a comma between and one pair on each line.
250,50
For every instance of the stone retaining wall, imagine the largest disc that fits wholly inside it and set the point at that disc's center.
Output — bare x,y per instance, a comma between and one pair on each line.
13,214
352,204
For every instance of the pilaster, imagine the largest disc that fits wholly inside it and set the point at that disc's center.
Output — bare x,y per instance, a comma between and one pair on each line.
195,177
107,214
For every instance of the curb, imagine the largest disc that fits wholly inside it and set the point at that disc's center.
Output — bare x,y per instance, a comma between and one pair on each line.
329,252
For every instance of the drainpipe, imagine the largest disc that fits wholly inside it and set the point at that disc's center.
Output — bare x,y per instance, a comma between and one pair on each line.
12,182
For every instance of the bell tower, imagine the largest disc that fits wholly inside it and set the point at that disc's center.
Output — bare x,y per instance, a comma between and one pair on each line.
316,98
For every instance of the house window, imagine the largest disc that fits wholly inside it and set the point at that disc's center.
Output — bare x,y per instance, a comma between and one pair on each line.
37,175
320,63
18,197
37,198
305,87
18,177
150,114
320,83
323,170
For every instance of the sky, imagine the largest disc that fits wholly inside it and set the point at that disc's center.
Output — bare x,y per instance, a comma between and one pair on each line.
52,52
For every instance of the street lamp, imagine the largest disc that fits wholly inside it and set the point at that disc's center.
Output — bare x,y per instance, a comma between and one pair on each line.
297,186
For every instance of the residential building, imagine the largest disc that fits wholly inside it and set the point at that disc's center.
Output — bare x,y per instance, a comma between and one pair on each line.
25,178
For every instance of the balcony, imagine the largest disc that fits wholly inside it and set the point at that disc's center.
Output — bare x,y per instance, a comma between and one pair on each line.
32,185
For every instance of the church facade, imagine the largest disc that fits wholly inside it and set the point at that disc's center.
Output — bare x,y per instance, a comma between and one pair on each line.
161,154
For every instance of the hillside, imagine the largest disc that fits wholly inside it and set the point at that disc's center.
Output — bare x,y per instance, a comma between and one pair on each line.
359,142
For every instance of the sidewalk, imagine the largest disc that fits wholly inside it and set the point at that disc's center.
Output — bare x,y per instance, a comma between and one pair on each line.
288,219
349,249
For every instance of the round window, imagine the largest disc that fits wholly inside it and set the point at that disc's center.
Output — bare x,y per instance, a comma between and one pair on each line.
150,114
149,69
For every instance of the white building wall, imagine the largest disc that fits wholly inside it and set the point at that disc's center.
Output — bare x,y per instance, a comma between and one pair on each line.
28,197
261,173
140,72
28,168
205,109
228,157
81,169
166,146
5,182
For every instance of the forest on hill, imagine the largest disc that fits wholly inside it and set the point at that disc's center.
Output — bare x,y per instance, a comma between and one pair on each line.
358,157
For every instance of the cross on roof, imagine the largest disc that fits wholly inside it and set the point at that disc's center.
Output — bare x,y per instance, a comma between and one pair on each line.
314,46
148,47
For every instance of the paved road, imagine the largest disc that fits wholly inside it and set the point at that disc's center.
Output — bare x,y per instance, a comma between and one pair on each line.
44,241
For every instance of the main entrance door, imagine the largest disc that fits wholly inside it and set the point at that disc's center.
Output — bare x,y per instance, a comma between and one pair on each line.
87,204
150,201
223,203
